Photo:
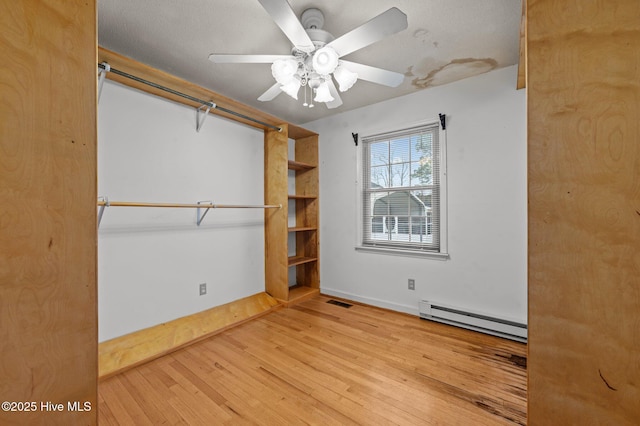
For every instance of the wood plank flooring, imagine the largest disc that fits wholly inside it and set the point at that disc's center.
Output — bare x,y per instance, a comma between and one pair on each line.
324,364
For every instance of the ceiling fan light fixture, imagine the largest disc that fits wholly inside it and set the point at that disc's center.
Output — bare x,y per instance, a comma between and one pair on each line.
314,80
323,94
315,55
283,70
345,78
325,60
291,88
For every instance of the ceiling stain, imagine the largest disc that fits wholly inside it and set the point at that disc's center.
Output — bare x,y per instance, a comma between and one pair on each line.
456,69
423,67
421,34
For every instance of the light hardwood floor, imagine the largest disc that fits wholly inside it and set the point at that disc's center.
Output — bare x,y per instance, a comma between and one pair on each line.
319,363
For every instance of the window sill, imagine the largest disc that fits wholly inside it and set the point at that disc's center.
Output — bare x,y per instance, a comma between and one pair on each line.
406,253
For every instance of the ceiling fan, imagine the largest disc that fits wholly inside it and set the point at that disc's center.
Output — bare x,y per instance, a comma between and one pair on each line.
315,61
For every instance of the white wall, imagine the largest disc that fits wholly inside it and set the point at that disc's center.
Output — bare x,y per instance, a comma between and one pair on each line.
486,147
150,261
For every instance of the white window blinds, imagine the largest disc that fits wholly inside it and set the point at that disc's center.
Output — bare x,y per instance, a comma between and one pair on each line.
401,189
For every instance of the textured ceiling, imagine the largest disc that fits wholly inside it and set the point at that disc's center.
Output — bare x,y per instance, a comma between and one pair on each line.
446,40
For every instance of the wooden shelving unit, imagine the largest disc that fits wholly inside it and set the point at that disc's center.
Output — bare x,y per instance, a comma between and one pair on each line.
306,258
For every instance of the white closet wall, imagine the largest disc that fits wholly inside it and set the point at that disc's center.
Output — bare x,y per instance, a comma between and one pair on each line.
151,260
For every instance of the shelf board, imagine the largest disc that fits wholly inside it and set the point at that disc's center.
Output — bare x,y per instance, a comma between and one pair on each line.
299,166
296,132
302,197
302,228
299,260
300,293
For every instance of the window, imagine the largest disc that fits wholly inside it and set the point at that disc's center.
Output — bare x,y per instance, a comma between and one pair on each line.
404,190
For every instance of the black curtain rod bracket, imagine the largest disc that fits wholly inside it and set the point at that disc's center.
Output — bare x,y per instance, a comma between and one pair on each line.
443,121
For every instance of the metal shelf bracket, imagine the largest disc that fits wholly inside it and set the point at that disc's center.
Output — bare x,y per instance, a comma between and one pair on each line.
202,115
105,200
200,212
102,74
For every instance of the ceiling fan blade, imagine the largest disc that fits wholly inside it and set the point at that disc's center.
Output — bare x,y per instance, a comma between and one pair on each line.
383,25
286,19
246,59
375,75
337,100
271,93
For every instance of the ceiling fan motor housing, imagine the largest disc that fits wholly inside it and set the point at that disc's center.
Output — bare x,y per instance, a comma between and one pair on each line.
312,21
312,18
319,37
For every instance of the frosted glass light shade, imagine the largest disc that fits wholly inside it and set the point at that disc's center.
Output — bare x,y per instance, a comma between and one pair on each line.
283,70
345,78
323,94
291,88
325,60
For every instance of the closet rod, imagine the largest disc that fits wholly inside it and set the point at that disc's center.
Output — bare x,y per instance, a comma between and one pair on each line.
191,98
192,206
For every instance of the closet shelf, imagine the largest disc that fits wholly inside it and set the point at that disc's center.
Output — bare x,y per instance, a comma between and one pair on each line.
299,293
302,228
302,197
299,166
299,260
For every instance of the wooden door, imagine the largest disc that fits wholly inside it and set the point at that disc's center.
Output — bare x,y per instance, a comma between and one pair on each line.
583,91
48,239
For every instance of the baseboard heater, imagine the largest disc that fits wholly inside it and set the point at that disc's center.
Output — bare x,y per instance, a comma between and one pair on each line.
473,321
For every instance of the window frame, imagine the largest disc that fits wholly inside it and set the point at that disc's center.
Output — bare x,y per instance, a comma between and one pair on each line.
400,250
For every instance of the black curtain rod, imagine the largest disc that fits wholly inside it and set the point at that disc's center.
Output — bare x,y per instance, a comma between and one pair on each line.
191,98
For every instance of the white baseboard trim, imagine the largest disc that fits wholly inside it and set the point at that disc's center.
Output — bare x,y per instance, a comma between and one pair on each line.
412,310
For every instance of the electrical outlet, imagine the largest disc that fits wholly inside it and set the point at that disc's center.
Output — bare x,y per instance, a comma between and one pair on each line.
203,289
412,284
